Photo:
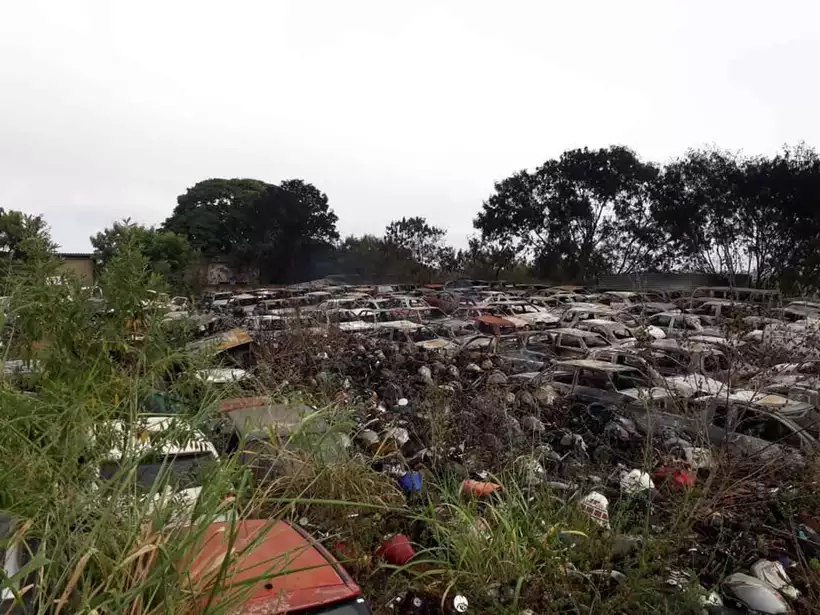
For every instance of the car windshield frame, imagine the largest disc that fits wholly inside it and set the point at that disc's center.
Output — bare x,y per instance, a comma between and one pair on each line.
621,333
595,341
628,320
150,468
635,378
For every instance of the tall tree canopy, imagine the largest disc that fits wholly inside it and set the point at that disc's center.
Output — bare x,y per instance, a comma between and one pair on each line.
210,214
605,211
288,231
487,260
365,257
757,216
419,246
167,254
422,242
279,230
411,250
16,228
575,216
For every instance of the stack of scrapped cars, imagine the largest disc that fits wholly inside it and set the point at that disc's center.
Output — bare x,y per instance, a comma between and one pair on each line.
583,385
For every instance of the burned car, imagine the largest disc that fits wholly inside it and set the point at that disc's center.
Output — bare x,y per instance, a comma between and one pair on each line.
599,382
673,357
613,332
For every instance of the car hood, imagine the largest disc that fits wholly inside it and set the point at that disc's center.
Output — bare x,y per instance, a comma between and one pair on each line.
802,380
356,325
221,375
765,450
692,384
518,323
650,393
772,401
440,344
652,331
538,317
184,499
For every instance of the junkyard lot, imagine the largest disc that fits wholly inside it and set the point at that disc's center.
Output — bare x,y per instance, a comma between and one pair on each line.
494,411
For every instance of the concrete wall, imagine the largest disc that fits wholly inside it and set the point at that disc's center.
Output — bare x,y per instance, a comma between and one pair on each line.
219,274
80,265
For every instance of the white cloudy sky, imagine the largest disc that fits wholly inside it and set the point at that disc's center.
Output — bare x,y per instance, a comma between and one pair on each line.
111,109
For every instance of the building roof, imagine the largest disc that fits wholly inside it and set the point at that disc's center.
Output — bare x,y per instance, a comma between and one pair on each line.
75,255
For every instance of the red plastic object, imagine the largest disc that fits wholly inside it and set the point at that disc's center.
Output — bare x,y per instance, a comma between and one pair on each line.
677,479
396,550
478,489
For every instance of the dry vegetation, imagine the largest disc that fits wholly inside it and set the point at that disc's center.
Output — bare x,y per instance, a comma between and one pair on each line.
528,546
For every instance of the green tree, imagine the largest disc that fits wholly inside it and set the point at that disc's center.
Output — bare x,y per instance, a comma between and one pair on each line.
421,242
314,212
576,216
416,249
487,260
364,257
213,215
287,231
279,231
696,204
167,254
729,214
786,225
16,228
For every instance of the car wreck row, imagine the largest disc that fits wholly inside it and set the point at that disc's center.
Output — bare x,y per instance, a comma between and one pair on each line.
575,384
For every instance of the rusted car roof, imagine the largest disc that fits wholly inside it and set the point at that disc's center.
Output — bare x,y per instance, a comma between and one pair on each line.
280,568
256,417
223,341
497,321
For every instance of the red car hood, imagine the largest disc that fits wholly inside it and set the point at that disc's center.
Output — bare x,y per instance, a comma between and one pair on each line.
277,569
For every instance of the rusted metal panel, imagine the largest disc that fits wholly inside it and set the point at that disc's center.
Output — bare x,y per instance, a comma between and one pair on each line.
659,281
277,568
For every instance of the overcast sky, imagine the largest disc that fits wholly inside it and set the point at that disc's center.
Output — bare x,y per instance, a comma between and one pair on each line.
111,109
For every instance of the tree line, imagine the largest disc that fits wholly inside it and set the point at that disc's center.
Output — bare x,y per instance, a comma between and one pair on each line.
585,213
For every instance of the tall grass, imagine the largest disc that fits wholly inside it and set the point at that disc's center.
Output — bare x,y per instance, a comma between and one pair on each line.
106,548
94,547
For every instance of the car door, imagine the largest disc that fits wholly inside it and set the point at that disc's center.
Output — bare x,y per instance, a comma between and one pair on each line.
560,378
603,332
668,363
676,327
662,321
592,386
714,365
568,318
540,346
513,350
763,434
569,347
721,421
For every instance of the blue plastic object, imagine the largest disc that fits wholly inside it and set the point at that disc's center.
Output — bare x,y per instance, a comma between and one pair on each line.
410,482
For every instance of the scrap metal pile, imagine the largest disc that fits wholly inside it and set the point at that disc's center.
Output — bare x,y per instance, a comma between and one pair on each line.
622,405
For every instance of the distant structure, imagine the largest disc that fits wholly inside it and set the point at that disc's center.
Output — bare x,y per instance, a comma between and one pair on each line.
219,273
80,264
666,281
